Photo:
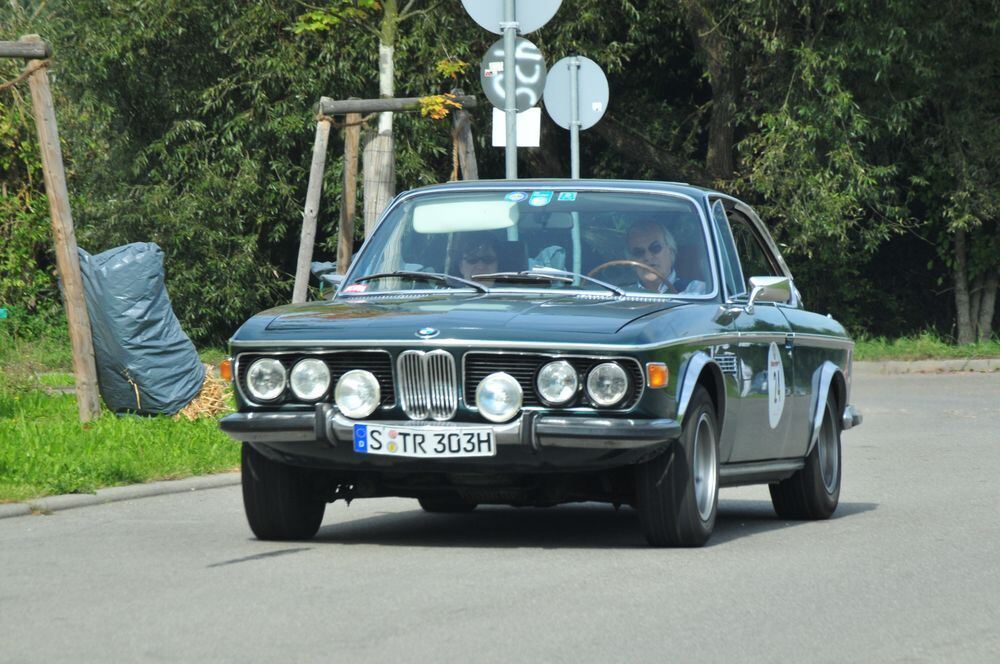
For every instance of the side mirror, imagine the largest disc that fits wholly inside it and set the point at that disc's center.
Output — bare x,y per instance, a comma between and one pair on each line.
768,289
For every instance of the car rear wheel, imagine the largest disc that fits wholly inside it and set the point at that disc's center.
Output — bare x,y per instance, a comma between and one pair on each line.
447,504
678,491
814,491
280,500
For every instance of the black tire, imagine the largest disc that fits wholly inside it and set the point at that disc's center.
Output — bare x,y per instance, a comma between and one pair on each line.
814,492
279,500
666,491
445,504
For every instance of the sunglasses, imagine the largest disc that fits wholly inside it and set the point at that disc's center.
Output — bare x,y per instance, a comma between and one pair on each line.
653,250
480,259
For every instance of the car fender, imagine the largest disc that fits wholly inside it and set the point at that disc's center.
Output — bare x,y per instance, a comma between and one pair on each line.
696,366
822,382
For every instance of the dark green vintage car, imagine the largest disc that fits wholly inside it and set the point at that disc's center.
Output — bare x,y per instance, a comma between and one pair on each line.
537,342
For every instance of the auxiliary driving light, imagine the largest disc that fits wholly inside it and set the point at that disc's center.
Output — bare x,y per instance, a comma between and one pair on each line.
357,394
498,397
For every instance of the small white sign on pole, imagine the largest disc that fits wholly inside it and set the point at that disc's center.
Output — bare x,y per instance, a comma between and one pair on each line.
529,128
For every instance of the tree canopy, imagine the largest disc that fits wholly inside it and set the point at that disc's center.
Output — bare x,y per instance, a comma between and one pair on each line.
864,133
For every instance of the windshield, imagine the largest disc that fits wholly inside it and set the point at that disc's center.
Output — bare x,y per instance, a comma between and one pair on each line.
529,240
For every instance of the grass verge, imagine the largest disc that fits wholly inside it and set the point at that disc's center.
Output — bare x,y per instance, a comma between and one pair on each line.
926,346
44,450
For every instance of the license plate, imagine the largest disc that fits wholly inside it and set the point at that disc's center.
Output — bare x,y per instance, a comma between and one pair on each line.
428,442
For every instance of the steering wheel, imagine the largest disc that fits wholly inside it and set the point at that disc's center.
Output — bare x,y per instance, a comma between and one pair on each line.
668,287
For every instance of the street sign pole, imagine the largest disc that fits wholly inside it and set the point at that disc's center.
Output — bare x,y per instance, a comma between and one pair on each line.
509,27
574,123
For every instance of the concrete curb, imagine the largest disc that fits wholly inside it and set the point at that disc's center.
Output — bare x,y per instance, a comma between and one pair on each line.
117,493
927,366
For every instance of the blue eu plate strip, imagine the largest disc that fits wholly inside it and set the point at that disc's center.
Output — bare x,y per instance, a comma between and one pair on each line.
361,438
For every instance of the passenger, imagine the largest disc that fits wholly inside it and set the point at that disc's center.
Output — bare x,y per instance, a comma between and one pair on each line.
477,254
653,245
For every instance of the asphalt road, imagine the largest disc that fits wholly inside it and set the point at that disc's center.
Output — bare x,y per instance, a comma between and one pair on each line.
909,568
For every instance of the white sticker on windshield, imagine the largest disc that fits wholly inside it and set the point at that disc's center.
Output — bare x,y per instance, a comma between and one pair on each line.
775,385
515,196
567,196
540,198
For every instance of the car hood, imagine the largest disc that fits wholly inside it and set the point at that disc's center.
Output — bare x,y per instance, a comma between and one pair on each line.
492,317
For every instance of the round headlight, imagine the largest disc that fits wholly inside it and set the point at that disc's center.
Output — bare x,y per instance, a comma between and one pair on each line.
357,394
266,379
557,382
607,384
310,379
498,397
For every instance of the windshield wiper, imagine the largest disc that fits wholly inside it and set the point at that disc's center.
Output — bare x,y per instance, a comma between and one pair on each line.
446,279
549,274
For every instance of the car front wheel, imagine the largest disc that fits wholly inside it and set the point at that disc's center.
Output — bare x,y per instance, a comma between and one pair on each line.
678,491
280,500
814,491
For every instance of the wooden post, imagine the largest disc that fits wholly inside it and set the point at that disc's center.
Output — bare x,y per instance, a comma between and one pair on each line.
313,192
67,258
462,129
348,208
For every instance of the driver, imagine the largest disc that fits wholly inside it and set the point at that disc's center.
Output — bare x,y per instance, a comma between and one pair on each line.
653,245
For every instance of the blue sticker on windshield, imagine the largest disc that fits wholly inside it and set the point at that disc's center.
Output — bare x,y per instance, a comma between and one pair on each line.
567,196
540,198
515,196
361,438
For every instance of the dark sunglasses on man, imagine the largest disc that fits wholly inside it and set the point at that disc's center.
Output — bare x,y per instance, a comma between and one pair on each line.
653,250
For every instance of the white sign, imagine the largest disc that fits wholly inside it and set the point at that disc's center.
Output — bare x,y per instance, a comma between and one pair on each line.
775,386
529,128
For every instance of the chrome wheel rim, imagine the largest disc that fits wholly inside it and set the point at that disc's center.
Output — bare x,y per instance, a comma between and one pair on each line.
829,458
705,467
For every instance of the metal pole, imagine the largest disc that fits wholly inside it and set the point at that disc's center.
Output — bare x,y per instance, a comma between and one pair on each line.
509,27
574,116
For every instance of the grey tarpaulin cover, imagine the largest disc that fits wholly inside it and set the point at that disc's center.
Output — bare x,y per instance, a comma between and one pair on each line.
138,342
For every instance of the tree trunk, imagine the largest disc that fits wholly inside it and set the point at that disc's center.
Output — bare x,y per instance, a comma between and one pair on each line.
715,48
963,306
379,155
987,306
379,178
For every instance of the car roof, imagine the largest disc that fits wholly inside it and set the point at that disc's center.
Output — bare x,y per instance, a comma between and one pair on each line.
567,183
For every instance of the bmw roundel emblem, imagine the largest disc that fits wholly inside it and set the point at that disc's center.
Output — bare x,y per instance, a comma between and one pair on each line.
427,332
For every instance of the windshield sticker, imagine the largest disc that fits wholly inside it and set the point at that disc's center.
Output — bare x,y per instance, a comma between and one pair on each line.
516,196
540,198
356,288
567,196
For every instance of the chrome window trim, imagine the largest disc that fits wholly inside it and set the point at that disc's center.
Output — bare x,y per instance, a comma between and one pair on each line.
577,187
564,356
259,351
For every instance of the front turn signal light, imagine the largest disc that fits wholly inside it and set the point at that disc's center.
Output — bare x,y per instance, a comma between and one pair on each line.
657,374
226,369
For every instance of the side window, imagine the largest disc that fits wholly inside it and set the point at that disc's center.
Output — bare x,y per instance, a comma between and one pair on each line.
754,257
731,273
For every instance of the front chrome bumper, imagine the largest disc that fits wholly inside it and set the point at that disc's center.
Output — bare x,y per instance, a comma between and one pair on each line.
532,430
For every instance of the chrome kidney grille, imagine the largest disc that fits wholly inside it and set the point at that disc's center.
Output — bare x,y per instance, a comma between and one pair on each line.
428,384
